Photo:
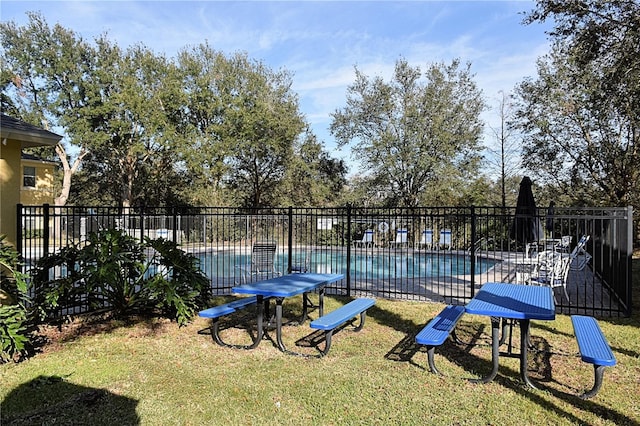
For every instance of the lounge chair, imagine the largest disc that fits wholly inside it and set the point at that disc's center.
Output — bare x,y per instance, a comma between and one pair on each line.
426,239
445,239
579,256
367,239
262,262
401,239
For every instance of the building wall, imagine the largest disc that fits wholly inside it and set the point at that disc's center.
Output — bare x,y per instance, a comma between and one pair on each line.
10,184
43,192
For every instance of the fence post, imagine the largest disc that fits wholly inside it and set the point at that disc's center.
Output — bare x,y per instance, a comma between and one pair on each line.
45,232
19,228
142,219
174,223
473,250
629,262
290,238
348,273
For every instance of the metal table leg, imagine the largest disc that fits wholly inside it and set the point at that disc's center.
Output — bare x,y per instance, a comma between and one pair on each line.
524,346
495,351
281,346
321,301
261,307
306,303
305,307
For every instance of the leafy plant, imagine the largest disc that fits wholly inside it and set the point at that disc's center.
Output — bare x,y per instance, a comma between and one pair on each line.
113,271
179,287
14,324
122,275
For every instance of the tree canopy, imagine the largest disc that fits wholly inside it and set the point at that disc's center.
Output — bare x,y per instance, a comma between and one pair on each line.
149,130
581,115
415,131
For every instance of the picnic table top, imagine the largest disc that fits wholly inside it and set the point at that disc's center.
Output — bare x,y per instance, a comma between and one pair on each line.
287,285
515,301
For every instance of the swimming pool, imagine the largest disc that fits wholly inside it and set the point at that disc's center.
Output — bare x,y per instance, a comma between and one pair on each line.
379,265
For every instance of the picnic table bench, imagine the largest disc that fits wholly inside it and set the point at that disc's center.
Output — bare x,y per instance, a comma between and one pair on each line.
216,312
329,322
594,349
437,331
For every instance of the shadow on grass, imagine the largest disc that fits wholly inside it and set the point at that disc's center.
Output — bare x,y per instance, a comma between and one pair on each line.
540,371
53,399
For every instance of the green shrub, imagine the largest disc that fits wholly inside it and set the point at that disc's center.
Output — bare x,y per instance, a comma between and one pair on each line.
15,332
117,273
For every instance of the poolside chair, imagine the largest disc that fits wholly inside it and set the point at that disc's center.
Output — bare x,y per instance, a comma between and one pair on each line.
553,271
580,258
262,262
401,238
445,239
565,244
367,239
426,239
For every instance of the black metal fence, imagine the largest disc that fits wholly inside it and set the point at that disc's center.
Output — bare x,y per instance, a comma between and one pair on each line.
431,253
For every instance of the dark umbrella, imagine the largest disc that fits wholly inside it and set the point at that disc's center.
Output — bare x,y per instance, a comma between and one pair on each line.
526,227
551,210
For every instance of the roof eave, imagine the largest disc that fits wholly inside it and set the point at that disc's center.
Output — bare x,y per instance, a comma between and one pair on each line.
31,139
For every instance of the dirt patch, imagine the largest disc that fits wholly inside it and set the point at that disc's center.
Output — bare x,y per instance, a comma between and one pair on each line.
52,337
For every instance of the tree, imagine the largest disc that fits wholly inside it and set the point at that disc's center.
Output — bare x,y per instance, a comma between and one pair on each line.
45,67
504,153
409,134
242,121
7,106
313,178
582,114
202,114
603,36
263,122
134,157
151,130
117,107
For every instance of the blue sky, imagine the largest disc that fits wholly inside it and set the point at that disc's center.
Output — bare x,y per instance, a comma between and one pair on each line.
321,42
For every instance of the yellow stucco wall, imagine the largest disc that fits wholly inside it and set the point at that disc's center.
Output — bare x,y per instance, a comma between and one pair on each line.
43,192
10,184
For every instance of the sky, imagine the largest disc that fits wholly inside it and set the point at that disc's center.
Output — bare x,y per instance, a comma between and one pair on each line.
320,42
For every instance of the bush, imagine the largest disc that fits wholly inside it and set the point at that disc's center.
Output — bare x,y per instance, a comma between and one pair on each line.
117,273
15,332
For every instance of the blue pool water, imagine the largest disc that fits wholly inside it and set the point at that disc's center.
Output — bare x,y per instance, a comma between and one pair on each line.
382,265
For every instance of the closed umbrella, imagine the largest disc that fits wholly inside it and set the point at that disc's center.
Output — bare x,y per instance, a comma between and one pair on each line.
526,227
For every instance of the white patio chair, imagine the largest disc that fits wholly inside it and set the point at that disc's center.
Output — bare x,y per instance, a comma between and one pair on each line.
553,270
565,244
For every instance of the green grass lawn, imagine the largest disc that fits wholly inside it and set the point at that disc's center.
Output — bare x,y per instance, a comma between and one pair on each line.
152,372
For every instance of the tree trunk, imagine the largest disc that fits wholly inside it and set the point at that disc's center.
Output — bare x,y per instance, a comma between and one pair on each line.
68,171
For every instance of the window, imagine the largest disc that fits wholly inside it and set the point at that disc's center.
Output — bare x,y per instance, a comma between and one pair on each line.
29,177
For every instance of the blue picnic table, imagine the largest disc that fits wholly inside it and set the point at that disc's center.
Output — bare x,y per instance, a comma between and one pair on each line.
505,301
279,288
